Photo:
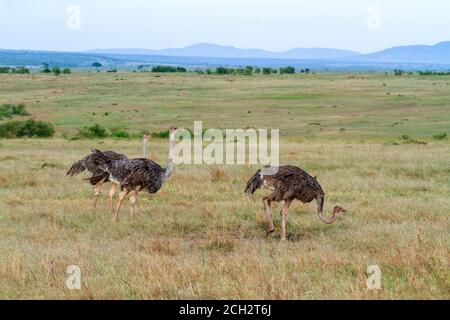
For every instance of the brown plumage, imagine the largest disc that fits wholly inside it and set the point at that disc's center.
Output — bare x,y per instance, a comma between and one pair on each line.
134,175
98,175
289,183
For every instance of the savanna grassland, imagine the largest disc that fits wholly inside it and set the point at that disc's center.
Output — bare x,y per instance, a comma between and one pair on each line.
200,237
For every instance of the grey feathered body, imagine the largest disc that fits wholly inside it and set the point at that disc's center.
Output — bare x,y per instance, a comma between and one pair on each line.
92,166
142,174
287,183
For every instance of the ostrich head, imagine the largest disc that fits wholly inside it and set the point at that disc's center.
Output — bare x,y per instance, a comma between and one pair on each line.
144,144
339,210
172,130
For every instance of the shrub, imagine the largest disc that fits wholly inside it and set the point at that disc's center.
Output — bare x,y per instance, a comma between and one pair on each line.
266,70
9,110
22,70
248,70
223,70
67,71
168,69
161,134
287,70
46,70
29,128
93,132
408,140
120,133
56,71
18,70
441,136
112,71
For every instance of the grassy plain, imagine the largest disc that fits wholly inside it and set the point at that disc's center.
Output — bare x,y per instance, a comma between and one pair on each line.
200,237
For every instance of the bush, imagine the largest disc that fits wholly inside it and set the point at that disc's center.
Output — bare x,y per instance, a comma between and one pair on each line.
168,69
287,70
67,71
19,70
439,137
112,71
222,70
29,128
267,70
46,70
433,73
93,132
9,110
120,133
56,71
162,134
408,140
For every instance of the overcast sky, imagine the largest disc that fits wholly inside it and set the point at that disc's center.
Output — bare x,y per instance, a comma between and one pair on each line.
361,25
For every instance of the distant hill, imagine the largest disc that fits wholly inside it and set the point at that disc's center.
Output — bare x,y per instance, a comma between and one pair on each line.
409,58
62,59
218,51
439,53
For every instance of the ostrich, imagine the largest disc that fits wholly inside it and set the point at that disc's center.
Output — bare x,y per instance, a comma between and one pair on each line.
100,176
136,175
288,183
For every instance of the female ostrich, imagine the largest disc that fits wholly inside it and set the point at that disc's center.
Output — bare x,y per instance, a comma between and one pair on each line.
135,175
99,176
287,184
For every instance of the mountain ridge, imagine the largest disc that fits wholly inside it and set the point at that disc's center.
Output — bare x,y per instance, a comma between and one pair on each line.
438,53
221,51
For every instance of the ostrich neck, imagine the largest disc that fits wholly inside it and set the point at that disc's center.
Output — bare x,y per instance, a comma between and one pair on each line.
144,148
320,200
169,166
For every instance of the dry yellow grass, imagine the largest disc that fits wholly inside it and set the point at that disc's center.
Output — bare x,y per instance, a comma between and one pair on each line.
200,237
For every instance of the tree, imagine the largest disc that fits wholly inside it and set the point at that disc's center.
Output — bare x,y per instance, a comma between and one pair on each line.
56,71
97,65
248,70
288,70
66,71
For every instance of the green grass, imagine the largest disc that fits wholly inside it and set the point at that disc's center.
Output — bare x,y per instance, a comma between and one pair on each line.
200,237
144,101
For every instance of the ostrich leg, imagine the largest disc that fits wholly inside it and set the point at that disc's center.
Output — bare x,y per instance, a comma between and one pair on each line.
133,197
267,204
283,213
112,191
122,196
96,194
